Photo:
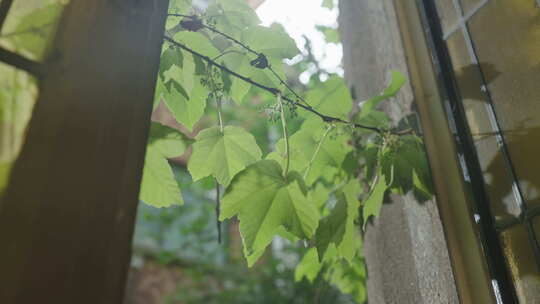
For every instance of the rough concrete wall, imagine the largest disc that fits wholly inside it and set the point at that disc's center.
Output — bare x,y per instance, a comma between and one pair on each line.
405,247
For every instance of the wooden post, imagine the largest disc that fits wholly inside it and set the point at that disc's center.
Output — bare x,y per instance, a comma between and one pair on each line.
67,218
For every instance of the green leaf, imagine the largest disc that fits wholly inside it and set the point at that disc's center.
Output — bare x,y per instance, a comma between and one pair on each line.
264,200
34,30
197,42
239,11
239,62
232,16
187,111
159,187
349,278
397,80
222,155
180,6
331,97
328,4
169,57
167,141
319,196
160,93
374,118
272,41
309,267
405,166
304,143
372,205
331,35
339,228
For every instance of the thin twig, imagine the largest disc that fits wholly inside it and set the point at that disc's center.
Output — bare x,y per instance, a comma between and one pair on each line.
184,16
216,31
287,86
275,91
209,70
246,47
227,52
218,204
312,160
285,135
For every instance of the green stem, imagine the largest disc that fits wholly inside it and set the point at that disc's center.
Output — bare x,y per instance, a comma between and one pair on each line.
285,134
312,160
220,115
215,95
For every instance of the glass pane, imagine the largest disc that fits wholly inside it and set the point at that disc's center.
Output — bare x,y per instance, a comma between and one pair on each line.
18,92
30,26
521,263
447,14
470,5
536,222
496,174
507,39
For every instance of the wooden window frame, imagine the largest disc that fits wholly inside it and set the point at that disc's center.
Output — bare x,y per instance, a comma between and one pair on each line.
67,217
475,278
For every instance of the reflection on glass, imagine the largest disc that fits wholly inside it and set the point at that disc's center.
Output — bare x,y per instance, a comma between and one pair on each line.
521,262
469,6
447,14
18,92
507,35
30,26
497,177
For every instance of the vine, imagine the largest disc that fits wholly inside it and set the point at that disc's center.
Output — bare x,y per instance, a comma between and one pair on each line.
310,187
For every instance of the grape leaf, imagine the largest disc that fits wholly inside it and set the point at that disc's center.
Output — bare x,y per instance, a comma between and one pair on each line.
331,35
197,42
167,141
405,167
272,41
232,16
397,80
309,267
179,6
34,29
328,4
159,187
339,228
239,11
264,200
222,155
187,111
169,57
372,205
160,93
240,63
349,278
303,144
331,97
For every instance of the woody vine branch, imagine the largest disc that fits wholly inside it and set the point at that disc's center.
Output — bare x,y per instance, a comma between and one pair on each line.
194,23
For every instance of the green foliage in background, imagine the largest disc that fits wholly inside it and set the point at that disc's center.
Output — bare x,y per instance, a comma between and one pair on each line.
318,184
28,31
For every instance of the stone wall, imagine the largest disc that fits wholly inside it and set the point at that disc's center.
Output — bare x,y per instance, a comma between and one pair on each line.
405,247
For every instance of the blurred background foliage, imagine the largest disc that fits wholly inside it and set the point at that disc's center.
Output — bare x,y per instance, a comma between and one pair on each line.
28,31
177,257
